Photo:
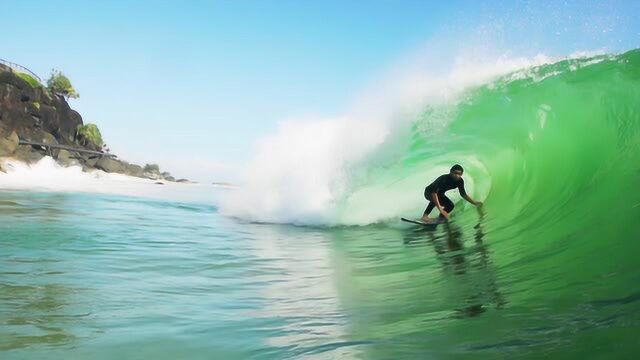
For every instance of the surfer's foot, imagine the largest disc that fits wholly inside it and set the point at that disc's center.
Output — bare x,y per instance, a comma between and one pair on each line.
425,218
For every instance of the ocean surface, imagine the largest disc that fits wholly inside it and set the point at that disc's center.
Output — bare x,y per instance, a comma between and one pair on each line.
547,269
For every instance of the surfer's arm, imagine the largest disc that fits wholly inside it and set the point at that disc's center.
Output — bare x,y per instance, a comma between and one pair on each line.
434,198
463,193
469,199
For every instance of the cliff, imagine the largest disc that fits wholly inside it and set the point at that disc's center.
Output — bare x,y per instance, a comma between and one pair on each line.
30,112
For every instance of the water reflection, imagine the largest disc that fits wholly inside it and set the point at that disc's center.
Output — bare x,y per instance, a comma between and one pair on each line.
473,265
294,285
40,305
35,310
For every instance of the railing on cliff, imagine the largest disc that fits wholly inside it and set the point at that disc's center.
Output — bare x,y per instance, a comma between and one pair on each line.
49,147
20,68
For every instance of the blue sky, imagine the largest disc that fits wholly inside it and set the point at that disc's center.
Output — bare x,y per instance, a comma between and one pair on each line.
191,85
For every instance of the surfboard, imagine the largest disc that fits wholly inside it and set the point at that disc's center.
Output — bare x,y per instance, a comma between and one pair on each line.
433,222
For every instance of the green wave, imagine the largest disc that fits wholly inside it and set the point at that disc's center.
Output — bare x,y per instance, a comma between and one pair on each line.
552,149
555,154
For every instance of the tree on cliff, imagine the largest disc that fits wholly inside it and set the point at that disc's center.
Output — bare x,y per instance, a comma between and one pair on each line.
60,84
89,135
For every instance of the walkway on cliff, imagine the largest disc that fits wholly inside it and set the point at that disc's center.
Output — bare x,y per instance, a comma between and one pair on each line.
48,148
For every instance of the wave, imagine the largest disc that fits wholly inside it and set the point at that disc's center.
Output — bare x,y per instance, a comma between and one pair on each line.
536,137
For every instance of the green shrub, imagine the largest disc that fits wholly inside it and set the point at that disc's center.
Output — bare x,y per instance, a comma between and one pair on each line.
30,79
90,133
60,84
152,168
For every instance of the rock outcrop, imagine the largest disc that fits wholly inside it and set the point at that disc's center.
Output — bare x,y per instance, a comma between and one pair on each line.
33,113
8,141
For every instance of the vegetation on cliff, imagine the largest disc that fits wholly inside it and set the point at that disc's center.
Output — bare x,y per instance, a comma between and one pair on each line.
29,79
59,84
89,133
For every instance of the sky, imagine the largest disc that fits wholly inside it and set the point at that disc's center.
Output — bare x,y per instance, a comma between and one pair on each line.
192,85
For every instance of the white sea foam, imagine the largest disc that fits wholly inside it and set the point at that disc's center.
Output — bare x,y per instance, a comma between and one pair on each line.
47,175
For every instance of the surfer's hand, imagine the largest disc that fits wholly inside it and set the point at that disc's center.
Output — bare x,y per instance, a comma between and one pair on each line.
444,213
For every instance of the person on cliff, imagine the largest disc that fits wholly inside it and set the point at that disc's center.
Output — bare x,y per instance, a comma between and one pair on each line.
435,193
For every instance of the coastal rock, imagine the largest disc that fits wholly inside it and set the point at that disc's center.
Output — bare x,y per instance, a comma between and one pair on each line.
132,169
9,144
43,137
39,136
30,112
151,175
24,108
88,161
92,161
65,159
28,154
109,165
17,86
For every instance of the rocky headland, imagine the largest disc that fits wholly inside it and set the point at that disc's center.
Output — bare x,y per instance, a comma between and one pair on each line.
31,113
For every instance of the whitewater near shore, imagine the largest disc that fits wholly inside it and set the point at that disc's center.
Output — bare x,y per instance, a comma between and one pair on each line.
48,176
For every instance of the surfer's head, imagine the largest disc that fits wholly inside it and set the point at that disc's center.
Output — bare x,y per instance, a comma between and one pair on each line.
456,171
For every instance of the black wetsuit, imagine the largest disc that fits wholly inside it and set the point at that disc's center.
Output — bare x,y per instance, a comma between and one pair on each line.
439,186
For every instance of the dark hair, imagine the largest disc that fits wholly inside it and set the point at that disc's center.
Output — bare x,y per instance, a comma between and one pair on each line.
456,167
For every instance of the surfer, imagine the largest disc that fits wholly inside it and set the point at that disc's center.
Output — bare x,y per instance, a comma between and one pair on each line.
435,193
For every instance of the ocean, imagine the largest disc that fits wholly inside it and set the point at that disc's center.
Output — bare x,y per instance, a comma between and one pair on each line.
103,269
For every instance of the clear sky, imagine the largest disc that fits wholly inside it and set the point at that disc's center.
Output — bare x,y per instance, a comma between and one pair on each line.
191,85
